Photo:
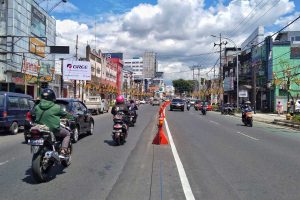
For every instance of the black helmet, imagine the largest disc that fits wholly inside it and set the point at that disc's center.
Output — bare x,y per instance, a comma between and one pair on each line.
48,94
131,101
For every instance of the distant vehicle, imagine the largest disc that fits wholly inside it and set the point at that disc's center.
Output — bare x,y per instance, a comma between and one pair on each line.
177,104
14,109
297,106
200,104
96,105
155,102
142,101
193,101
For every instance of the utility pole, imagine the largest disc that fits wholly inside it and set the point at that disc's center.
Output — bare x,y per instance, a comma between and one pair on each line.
62,78
76,55
254,87
199,81
220,68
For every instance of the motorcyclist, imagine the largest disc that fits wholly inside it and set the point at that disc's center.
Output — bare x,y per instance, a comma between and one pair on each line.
246,108
48,113
120,106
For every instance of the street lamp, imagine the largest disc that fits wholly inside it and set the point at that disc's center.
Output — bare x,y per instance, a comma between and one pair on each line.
237,69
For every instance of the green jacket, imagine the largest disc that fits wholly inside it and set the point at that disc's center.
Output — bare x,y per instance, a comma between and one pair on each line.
49,114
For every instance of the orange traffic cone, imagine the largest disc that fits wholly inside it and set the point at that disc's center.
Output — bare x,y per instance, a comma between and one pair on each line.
160,137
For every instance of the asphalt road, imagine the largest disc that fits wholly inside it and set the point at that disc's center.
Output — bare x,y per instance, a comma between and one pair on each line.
225,160
96,163
222,159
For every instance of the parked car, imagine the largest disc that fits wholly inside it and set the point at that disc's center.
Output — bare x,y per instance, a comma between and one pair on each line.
14,109
96,104
177,104
155,102
83,122
142,101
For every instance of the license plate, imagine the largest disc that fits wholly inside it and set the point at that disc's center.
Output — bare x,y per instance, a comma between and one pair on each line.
38,142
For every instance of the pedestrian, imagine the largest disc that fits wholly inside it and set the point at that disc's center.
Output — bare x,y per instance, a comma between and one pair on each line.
279,108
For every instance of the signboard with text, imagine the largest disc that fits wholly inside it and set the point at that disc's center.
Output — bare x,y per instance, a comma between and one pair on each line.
37,47
77,70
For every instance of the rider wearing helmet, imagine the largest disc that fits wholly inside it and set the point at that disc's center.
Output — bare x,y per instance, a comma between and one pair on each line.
119,106
246,108
48,113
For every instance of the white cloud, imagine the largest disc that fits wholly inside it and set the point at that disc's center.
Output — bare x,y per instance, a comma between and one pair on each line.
177,29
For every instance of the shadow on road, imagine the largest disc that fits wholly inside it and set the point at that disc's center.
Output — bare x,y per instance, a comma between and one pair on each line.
110,142
54,171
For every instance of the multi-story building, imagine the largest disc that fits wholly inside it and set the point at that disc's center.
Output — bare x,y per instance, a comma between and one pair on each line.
149,65
25,63
117,59
135,64
104,75
127,82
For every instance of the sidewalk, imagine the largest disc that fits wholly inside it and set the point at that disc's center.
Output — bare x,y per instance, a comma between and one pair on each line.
272,118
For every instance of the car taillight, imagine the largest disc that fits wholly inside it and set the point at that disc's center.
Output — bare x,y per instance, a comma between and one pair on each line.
28,116
4,114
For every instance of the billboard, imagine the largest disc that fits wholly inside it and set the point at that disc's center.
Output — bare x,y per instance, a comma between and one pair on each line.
114,55
38,22
77,70
37,47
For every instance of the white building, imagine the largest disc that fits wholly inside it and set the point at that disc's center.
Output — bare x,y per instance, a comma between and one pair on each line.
136,66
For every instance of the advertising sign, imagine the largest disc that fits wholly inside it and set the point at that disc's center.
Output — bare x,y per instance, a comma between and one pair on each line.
37,47
77,70
38,22
243,93
114,55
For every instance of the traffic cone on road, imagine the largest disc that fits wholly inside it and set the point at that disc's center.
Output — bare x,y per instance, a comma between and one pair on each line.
161,112
160,137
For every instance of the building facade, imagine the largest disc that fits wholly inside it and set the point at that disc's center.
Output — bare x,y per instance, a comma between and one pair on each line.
149,65
25,32
135,65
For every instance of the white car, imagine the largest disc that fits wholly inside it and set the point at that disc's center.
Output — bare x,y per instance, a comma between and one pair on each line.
142,101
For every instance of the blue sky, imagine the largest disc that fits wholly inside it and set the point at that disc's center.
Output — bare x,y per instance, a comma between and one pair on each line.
179,31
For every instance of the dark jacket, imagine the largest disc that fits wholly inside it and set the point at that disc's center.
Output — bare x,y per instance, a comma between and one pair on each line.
119,108
49,114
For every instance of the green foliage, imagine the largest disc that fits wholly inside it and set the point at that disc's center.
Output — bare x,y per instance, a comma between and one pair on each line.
182,86
296,118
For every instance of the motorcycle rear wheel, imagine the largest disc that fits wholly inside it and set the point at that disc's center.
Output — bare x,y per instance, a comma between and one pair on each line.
40,174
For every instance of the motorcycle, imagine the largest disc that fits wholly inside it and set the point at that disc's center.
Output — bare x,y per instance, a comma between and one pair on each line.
188,106
132,118
45,147
120,128
204,110
247,118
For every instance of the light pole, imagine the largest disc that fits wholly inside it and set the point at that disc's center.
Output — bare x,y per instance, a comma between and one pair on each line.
237,69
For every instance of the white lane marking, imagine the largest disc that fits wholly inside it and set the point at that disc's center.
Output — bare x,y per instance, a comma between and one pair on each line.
183,178
253,138
3,163
214,122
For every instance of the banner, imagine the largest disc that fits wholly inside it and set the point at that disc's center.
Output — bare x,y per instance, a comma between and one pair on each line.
77,70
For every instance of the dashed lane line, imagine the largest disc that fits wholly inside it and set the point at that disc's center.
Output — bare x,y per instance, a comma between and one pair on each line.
183,178
253,138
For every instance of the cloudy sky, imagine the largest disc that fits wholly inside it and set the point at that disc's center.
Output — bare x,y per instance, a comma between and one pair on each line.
179,31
